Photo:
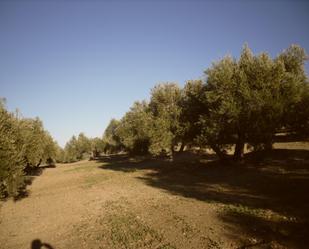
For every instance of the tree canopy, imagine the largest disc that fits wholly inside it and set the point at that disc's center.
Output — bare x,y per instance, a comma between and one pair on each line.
24,144
240,101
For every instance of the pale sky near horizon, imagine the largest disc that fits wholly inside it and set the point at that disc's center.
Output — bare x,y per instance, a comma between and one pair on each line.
77,64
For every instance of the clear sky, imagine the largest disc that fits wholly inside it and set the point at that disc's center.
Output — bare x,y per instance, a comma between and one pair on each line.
77,64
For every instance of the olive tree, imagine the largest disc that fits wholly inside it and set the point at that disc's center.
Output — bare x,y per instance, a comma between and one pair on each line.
165,108
192,108
246,99
97,146
24,144
134,129
11,163
111,139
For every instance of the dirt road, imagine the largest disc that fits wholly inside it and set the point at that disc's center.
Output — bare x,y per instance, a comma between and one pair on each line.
120,203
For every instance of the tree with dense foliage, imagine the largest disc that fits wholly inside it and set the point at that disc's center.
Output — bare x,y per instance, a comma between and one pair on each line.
11,163
50,149
297,116
246,99
80,148
76,148
134,129
70,150
165,108
60,154
24,145
34,142
191,109
295,90
97,146
83,146
111,139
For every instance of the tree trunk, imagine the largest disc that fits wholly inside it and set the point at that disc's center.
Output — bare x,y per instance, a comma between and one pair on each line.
239,148
39,163
222,156
268,146
182,147
172,152
27,168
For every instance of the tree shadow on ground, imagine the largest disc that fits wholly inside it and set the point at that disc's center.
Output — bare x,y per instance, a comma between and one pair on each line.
38,244
30,175
259,231
268,183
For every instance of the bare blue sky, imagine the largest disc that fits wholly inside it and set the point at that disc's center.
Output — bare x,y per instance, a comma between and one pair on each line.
77,64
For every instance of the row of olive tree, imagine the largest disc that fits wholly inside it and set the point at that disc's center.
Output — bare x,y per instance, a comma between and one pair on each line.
81,148
241,101
24,145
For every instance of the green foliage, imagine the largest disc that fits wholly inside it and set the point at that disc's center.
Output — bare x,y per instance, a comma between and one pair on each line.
165,108
70,150
295,90
77,148
242,101
97,146
246,100
24,144
11,164
35,144
111,139
83,146
135,128
220,108
296,118
191,109
153,127
50,150
60,154
80,148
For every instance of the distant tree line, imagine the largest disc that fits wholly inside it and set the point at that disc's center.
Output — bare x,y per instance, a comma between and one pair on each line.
24,145
241,101
80,148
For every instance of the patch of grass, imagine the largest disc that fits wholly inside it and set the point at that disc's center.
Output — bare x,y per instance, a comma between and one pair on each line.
241,209
265,214
92,180
82,167
127,231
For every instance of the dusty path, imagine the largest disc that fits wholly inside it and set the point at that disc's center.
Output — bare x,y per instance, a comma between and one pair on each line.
118,203
83,206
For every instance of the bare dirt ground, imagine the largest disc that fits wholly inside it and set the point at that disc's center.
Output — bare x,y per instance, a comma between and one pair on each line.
193,202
